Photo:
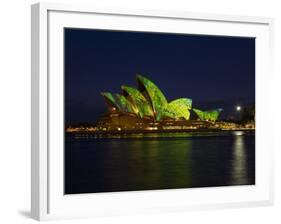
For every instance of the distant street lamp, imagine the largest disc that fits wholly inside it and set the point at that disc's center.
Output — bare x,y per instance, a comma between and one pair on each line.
238,108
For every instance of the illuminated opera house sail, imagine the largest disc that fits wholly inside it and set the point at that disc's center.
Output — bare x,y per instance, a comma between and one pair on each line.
148,101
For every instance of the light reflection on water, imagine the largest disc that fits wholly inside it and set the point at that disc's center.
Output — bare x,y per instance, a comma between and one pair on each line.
239,162
182,161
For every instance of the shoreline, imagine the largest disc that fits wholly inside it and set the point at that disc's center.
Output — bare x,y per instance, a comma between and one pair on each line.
141,133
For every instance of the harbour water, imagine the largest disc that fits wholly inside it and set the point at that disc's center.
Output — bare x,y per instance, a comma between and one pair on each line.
159,161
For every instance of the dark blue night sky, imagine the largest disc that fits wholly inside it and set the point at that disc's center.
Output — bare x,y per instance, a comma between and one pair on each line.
214,71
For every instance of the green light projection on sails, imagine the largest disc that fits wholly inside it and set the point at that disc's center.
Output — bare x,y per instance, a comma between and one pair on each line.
149,101
178,108
125,105
110,99
118,101
210,115
140,104
157,98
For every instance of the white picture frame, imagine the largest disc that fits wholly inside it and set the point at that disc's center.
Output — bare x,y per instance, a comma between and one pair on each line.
47,198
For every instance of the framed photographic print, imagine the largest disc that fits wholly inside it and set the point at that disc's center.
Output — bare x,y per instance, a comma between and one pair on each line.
147,111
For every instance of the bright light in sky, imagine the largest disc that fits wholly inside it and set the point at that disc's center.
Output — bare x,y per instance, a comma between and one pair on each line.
238,108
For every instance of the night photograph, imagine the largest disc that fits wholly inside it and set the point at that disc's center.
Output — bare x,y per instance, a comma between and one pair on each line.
155,111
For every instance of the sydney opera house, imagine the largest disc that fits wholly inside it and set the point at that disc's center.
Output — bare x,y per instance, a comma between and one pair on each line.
146,107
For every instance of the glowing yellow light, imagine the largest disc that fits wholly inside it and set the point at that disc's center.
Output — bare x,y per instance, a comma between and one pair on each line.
152,128
238,108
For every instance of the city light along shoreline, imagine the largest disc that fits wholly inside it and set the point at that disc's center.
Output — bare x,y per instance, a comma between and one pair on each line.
92,132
